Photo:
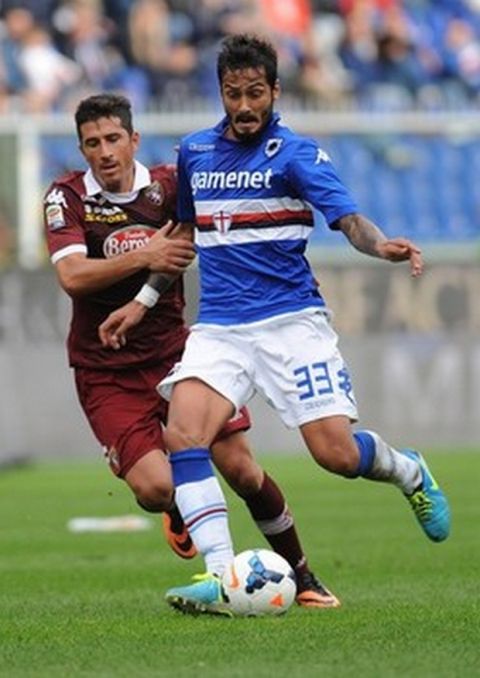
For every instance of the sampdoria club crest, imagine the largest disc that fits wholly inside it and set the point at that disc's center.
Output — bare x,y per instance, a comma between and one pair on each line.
222,221
273,146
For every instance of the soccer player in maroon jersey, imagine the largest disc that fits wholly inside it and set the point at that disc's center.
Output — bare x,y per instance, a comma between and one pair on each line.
107,229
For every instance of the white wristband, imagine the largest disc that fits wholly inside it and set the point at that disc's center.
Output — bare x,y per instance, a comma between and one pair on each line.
148,296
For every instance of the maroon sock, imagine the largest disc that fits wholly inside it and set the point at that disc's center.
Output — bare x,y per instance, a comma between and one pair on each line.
273,518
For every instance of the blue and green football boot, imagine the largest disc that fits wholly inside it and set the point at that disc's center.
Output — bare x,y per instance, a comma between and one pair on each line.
205,596
429,503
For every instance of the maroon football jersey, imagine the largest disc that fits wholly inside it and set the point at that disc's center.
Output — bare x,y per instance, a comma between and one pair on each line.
78,222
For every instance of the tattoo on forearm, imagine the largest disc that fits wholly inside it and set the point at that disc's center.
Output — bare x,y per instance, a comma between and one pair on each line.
363,234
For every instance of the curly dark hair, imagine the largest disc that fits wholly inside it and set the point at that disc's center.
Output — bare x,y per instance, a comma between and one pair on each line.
247,51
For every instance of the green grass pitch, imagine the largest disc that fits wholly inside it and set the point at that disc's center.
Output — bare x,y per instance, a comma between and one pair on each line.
92,604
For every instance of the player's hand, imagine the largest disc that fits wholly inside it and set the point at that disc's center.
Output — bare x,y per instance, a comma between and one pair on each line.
113,331
170,250
401,249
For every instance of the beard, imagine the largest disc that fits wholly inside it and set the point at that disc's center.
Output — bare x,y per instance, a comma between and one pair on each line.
250,136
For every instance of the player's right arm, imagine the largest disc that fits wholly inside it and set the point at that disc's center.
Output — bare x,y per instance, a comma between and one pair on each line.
79,274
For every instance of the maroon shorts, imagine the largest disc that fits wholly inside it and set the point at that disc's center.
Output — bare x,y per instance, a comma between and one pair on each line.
127,414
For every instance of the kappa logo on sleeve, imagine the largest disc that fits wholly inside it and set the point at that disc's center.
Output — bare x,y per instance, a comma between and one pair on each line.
56,197
322,156
54,217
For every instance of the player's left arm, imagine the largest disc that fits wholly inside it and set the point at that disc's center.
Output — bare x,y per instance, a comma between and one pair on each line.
114,329
314,178
368,238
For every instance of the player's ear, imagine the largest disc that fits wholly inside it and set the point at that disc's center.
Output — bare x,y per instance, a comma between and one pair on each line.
276,89
136,139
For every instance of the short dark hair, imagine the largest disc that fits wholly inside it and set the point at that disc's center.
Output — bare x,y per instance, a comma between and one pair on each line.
104,106
247,51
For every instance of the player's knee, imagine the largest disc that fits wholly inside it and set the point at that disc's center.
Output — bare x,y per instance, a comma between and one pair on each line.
179,437
339,459
154,497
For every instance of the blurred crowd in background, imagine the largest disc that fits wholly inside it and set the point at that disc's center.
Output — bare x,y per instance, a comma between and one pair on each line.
387,54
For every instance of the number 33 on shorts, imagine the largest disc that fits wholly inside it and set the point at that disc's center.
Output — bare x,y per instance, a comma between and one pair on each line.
325,387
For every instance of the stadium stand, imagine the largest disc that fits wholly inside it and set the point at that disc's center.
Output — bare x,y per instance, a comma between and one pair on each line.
380,53
367,55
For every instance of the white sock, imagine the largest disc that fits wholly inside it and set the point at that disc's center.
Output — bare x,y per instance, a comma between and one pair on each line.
391,466
204,510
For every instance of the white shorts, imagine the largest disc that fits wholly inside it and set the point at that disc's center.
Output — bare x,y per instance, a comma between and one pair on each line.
292,361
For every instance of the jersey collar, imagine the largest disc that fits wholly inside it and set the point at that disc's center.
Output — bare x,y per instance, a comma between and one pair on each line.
142,180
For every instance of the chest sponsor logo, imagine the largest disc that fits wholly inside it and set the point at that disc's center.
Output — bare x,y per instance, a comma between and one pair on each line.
56,197
222,221
127,239
104,214
154,193
242,180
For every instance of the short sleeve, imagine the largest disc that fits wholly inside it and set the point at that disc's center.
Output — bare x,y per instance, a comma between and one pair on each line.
314,179
62,215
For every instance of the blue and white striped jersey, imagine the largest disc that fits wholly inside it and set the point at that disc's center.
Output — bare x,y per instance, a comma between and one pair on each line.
252,205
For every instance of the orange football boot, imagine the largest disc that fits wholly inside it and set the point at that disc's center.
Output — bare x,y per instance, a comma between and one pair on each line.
311,593
177,534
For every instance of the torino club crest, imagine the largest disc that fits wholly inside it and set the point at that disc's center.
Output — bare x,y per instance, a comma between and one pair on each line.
154,193
222,221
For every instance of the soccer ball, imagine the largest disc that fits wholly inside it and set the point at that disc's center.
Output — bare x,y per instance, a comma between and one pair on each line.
259,582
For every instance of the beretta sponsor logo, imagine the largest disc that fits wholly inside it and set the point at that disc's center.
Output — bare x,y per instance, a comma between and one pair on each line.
127,239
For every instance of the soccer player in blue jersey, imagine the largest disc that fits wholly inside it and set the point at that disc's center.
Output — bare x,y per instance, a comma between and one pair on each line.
248,187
